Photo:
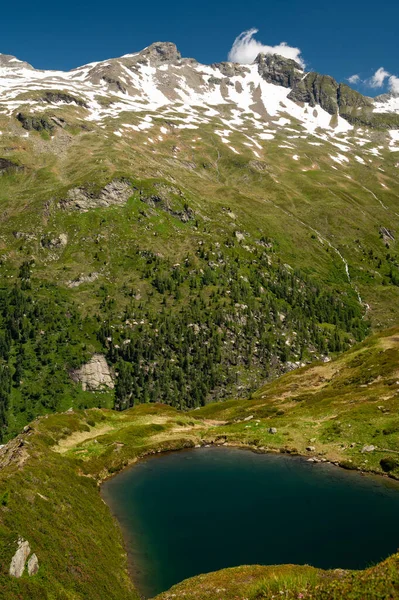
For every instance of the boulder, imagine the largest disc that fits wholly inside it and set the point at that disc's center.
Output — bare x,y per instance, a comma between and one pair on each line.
33,565
310,448
272,430
18,561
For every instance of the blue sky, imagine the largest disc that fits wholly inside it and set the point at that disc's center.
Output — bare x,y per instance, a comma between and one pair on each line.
338,38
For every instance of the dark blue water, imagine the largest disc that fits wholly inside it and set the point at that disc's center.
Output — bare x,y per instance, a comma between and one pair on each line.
201,510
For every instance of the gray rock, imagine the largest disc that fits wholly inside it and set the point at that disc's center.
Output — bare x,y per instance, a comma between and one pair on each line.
18,561
248,418
272,430
115,193
33,565
310,448
368,448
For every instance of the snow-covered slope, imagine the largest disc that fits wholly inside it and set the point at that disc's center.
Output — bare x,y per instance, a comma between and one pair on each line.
157,81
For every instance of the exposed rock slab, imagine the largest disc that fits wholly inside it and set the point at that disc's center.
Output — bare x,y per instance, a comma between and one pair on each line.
95,374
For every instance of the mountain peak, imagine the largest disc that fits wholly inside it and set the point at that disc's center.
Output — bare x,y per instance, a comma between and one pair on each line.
161,52
9,61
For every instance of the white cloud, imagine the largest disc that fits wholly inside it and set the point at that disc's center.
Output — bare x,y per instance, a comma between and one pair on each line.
377,80
394,84
354,79
379,77
245,49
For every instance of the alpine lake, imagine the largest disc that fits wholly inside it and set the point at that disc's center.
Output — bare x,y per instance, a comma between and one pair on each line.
201,510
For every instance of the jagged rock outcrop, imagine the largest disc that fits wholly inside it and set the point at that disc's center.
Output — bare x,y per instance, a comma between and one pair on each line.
279,70
38,123
117,192
333,97
14,452
57,97
59,241
18,561
95,374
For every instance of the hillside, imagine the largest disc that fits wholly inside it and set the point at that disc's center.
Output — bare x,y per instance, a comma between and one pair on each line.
342,411
205,228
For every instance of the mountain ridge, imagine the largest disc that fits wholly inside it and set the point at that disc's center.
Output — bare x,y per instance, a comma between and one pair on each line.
132,75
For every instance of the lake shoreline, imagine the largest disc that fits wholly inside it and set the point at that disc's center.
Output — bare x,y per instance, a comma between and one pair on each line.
255,449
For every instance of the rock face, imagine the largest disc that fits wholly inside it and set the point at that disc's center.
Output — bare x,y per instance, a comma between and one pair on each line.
18,561
33,565
279,70
317,89
95,374
333,97
115,193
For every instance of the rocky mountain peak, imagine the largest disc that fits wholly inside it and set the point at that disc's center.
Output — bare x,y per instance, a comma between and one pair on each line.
161,52
279,70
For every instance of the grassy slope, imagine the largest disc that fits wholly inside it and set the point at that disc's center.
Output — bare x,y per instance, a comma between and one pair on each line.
49,493
345,204
336,407
315,212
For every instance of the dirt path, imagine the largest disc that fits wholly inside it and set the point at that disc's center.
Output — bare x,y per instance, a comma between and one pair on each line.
80,436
